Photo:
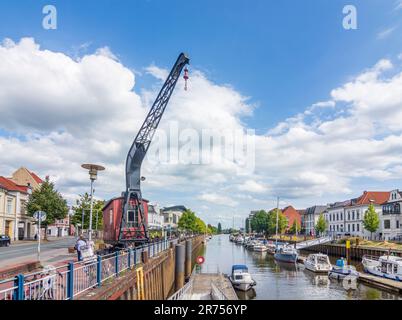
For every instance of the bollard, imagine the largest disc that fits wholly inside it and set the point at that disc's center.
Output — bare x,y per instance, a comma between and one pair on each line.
179,266
189,247
70,281
99,271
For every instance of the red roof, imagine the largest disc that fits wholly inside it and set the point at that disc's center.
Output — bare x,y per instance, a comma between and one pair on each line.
378,197
12,186
292,214
35,177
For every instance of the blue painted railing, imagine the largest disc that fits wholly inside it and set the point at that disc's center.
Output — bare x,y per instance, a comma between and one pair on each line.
68,281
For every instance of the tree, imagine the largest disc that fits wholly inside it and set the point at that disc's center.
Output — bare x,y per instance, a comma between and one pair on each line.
188,221
282,222
371,221
219,228
49,200
200,226
84,203
259,222
295,227
321,225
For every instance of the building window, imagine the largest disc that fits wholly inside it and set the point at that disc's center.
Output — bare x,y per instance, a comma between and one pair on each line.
358,215
353,227
397,224
110,217
337,216
341,216
353,215
348,215
348,227
9,205
358,227
387,224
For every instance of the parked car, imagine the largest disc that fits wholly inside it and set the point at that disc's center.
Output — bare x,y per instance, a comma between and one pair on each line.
4,241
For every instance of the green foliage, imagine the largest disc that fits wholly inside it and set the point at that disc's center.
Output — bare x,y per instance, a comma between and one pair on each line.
295,227
84,202
371,221
282,222
266,222
49,200
259,222
219,231
321,225
189,222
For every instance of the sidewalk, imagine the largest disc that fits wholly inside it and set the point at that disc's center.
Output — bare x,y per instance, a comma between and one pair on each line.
49,239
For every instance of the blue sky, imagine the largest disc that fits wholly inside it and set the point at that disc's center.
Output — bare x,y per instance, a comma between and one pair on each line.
283,55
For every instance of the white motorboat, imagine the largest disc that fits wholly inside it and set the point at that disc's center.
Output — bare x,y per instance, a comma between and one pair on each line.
389,267
342,270
318,262
259,247
239,240
271,248
241,278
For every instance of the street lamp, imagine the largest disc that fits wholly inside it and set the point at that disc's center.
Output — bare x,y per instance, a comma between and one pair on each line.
93,174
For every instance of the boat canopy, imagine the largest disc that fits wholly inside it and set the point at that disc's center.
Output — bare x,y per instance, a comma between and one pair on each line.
239,267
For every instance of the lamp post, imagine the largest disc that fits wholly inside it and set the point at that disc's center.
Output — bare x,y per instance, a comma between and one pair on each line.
93,174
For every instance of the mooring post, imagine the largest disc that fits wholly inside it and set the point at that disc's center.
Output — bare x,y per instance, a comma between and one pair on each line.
189,246
179,266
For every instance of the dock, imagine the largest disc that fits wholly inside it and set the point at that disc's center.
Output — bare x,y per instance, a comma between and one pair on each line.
203,287
373,281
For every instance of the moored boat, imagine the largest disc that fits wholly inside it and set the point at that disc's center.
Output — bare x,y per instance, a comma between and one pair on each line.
342,270
241,278
389,267
286,254
318,262
259,247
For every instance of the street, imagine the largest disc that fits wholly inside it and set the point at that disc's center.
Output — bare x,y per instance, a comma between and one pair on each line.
19,253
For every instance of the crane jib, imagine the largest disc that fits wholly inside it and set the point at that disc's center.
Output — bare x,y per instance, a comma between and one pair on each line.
132,208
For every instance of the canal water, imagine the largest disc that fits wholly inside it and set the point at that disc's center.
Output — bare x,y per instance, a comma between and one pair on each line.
280,280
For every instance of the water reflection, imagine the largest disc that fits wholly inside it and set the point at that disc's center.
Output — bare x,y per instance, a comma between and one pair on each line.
278,280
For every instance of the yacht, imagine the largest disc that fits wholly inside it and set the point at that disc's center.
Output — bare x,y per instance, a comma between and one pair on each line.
318,262
389,267
240,278
239,239
259,247
342,270
286,254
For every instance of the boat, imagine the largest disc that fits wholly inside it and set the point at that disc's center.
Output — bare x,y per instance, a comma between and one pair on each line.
241,278
318,262
342,270
259,247
271,248
239,240
388,266
286,254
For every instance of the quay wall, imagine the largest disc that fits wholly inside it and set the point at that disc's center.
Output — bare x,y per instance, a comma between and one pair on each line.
152,279
356,252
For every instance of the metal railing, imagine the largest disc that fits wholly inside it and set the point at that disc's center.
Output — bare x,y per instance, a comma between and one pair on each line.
68,281
216,293
184,292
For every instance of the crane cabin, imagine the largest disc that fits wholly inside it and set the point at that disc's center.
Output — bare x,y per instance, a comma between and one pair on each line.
118,234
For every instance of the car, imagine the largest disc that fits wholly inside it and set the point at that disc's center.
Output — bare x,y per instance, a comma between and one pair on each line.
4,241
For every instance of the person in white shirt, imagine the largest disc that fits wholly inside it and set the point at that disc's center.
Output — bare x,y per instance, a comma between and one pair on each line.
78,246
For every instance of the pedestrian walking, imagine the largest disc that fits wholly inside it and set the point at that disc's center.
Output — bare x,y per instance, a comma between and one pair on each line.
79,245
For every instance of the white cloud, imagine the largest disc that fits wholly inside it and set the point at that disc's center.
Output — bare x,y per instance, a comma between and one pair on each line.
385,33
59,112
218,199
398,5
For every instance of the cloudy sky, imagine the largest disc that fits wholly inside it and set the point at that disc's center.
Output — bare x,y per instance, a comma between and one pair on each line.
321,106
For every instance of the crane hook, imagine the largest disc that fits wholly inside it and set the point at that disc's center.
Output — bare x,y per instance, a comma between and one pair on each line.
185,77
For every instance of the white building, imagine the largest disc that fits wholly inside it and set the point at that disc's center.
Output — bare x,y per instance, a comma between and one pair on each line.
335,217
172,215
346,218
391,216
155,218
311,216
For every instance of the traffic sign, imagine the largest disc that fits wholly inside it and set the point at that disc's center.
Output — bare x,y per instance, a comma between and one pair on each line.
200,260
40,215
